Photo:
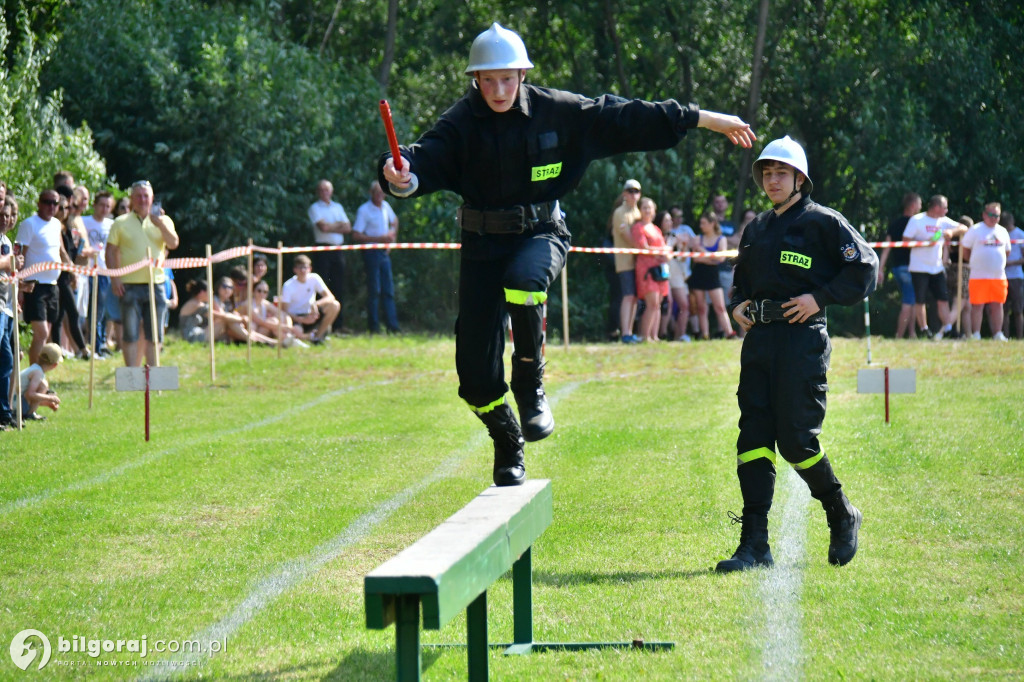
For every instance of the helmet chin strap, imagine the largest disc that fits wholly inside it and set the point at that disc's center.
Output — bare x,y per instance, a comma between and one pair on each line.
796,190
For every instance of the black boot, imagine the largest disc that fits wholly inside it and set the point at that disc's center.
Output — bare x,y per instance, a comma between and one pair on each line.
528,371
843,521
528,388
753,550
509,463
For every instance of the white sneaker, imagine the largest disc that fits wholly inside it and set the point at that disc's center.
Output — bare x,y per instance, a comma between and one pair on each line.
685,338
299,343
976,336
999,336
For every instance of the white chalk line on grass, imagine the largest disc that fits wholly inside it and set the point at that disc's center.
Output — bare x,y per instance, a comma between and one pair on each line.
291,573
782,639
121,469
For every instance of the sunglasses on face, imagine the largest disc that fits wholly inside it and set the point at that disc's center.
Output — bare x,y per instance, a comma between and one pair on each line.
633,191
49,202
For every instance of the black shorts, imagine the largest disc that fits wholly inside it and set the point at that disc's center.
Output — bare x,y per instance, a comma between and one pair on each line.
925,282
41,303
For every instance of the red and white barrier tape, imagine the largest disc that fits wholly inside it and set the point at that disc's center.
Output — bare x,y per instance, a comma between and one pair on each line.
240,251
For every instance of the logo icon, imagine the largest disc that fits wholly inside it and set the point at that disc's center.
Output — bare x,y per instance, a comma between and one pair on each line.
23,654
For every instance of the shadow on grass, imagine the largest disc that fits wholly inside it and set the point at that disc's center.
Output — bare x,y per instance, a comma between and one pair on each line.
276,674
361,664
597,578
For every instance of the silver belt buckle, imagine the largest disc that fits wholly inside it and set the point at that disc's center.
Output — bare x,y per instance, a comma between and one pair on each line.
760,311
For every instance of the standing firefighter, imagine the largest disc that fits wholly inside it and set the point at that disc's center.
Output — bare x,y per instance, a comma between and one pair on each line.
511,150
793,261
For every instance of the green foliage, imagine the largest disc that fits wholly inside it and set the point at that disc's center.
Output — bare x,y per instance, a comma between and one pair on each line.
35,139
235,109
232,126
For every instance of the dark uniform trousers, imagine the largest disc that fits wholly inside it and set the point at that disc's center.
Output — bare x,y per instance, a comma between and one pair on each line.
781,397
509,274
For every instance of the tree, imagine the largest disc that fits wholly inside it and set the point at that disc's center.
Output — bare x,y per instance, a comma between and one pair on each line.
232,126
35,140
886,96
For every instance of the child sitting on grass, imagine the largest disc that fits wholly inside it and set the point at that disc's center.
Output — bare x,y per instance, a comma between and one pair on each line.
35,390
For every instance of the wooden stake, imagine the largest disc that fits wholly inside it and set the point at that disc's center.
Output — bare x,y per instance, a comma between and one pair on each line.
210,293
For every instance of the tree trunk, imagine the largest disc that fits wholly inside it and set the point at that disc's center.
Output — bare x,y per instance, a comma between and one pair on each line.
752,104
613,35
389,46
330,28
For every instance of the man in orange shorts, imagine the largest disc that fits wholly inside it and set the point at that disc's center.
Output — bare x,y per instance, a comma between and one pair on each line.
986,246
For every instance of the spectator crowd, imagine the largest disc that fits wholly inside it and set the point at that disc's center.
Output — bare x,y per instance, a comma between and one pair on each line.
966,274
132,306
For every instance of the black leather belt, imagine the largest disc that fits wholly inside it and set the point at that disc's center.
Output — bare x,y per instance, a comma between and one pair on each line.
765,311
515,220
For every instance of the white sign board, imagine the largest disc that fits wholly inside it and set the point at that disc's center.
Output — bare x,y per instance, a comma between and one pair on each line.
873,381
134,379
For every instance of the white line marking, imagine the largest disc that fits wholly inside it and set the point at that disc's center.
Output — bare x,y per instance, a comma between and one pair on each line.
782,649
290,573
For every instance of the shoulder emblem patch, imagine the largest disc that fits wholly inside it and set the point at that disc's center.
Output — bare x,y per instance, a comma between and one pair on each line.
849,253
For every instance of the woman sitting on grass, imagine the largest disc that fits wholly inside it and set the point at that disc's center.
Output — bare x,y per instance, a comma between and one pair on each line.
227,327
266,317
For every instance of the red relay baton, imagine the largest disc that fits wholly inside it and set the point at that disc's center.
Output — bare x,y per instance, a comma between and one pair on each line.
389,127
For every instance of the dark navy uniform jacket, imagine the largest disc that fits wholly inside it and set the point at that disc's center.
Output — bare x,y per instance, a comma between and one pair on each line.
809,249
538,150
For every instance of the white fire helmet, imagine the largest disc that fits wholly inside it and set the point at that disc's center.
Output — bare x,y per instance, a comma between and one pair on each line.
788,151
498,48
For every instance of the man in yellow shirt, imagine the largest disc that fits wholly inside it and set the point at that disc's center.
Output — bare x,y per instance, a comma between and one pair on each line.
146,226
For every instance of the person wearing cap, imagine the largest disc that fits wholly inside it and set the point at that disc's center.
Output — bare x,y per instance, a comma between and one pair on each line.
39,241
624,217
511,150
793,261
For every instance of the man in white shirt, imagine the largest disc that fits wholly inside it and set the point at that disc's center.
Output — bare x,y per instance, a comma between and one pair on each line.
97,226
986,245
927,262
330,225
39,242
309,301
376,223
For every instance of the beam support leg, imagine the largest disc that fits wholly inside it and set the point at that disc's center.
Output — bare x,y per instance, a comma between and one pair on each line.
476,638
522,599
407,638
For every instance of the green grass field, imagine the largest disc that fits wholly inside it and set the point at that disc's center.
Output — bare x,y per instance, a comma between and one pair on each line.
264,497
